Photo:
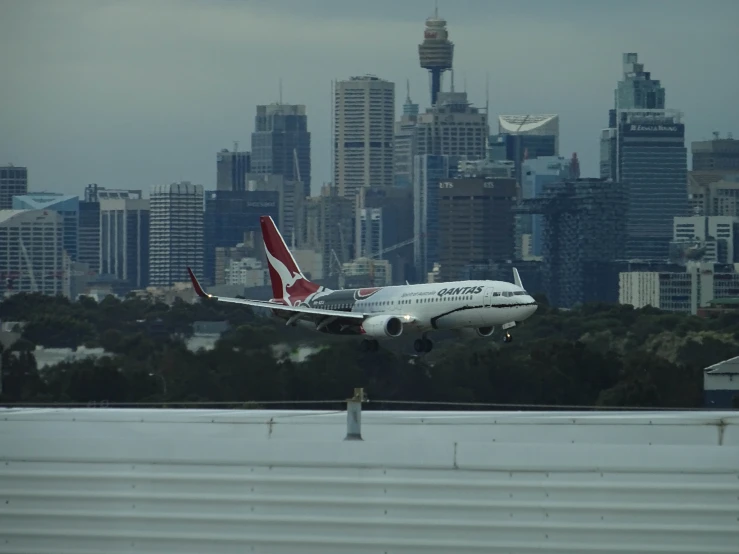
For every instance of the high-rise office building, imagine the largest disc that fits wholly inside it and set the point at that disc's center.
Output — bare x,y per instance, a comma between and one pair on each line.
231,214
396,208
428,171
452,127
32,256
644,148
475,223
524,137
584,231
290,216
713,193
329,229
89,230
176,232
364,116
67,206
535,175
125,237
637,90
280,143
13,182
719,154
404,144
232,168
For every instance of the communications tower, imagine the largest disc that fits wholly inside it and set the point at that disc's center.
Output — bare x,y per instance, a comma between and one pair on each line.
436,52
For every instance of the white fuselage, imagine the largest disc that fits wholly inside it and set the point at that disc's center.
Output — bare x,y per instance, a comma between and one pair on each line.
454,305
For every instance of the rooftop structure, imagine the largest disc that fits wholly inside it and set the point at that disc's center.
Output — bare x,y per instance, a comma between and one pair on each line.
124,480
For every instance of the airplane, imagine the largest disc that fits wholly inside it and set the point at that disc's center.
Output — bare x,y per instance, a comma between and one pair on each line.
384,313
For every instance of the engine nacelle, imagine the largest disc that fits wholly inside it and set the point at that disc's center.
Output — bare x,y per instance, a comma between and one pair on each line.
478,331
380,326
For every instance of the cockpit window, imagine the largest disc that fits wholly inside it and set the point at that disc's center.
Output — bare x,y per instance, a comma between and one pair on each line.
520,293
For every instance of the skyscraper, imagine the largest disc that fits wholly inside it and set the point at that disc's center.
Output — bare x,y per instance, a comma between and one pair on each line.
67,206
475,223
719,154
428,171
176,235
364,116
584,230
31,253
526,137
231,169
13,182
404,144
644,148
452,127
124,237
280,143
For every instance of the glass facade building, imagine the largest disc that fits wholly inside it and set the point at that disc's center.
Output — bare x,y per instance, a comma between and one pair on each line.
230,214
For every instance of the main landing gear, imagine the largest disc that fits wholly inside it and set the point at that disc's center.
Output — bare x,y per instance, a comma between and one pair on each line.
423,345
507,336
369,345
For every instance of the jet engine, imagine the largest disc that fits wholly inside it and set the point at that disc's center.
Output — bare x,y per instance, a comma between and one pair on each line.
380,326
478,331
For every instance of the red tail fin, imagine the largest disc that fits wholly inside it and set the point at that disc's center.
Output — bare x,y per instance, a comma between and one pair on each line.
288,282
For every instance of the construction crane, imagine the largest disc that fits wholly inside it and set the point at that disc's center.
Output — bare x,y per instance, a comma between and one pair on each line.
371,257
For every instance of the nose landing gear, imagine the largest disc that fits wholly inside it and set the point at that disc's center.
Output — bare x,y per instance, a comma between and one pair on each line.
423,345
507,337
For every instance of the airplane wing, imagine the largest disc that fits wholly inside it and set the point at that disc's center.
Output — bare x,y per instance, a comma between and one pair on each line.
356,316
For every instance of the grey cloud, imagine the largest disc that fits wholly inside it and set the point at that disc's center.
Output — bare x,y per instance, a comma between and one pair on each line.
138,92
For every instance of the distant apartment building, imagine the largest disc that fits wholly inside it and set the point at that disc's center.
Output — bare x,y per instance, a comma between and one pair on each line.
719,154
65,205
364,115
229,215
714,193
176,232
584,231
13,182
32,257
428,171
475,223
684,292
231,169
706,238
125,237
281,143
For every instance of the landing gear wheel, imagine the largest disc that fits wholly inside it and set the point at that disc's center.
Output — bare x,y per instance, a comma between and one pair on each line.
507,337
369,345
423,345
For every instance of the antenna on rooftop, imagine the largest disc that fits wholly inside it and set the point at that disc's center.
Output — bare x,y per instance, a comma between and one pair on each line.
280,90
487,92
236,146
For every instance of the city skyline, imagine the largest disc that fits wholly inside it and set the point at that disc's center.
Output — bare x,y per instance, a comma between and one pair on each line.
105,93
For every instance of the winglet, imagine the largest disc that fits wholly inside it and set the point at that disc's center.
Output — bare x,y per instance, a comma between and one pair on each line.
517,278
196,285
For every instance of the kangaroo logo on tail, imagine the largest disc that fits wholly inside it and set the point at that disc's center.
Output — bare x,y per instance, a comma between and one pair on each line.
288,282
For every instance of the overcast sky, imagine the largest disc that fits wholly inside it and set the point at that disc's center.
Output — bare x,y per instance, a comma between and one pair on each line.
131,93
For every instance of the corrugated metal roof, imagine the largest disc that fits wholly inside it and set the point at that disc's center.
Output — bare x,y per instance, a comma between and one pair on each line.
217,481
